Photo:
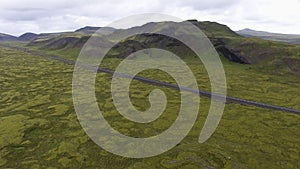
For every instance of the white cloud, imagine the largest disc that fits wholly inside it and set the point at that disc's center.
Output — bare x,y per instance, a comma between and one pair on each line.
17,16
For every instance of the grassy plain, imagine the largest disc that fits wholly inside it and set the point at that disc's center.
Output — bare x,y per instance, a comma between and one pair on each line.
39,127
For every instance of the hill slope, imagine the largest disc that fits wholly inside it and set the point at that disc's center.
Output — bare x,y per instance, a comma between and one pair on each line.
6,37
276,57
91,29
28,36
288,38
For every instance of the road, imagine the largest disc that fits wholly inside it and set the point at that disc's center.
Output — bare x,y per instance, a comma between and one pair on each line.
158,83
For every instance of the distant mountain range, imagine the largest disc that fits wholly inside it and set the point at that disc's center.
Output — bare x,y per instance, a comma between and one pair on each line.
6,37
288,38
88,30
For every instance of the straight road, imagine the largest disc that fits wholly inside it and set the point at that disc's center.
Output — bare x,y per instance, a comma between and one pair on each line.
158,83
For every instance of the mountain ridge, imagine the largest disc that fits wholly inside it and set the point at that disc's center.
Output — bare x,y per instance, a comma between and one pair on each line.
277,56
7,37
247,32
281,37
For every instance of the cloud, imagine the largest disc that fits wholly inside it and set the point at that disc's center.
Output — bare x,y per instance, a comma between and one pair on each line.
205,4
17,17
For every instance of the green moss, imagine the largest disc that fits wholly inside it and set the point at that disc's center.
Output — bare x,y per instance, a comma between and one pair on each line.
170,163
12,132
3,153
12,129
65,162
60,109
39,127
189,166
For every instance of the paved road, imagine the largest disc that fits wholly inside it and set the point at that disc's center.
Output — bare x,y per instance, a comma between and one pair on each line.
159,83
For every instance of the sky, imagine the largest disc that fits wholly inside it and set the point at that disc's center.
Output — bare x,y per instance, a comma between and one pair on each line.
20,16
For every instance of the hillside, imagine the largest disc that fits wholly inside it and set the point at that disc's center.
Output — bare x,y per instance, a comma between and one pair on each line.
91,29
287,38
28,36
271,56
6,37
275,57
88,29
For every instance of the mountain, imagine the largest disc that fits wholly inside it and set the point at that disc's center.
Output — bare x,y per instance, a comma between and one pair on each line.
63,40
28,36
87,28
6,37
288,38
215,31
228,43
246,49
91,29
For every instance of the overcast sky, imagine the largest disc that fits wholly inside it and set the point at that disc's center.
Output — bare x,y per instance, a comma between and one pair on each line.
20,16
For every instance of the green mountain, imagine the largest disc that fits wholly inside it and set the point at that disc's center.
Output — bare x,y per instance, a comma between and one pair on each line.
273,56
